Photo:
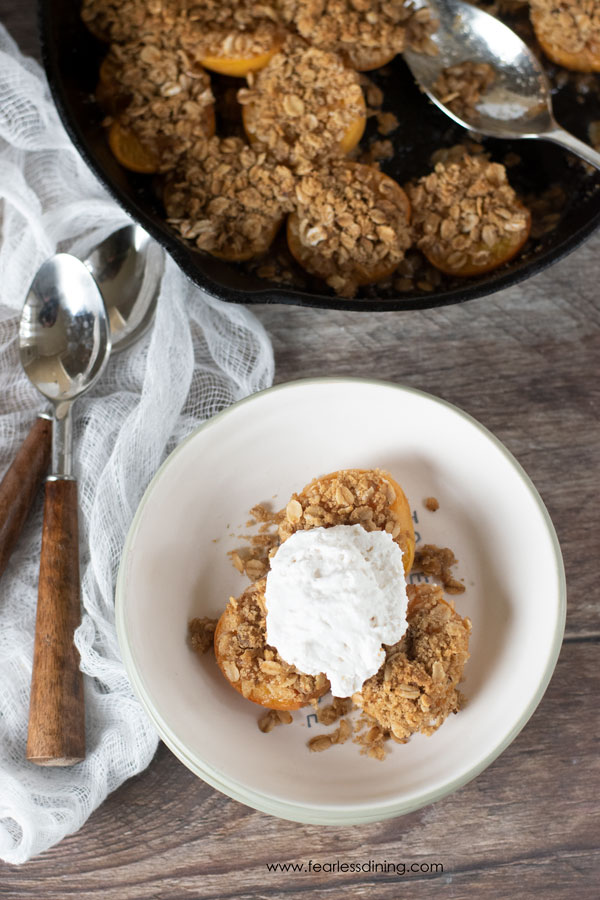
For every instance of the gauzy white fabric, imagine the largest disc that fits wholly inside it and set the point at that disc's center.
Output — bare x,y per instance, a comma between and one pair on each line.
200,356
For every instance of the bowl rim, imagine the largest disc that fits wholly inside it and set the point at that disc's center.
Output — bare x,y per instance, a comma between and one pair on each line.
184,255
332,814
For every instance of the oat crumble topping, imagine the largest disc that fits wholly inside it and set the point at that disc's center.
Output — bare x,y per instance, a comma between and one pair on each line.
373,93
324,741
460,87
252,564
416,687
348,497
438,562
378,151
236,29
463,210
302,105
432,504
571,25
272,718
371,737
252,559
457,152
328,715
165,98
202,634
229,198
351,225
124,20
367,32
386,122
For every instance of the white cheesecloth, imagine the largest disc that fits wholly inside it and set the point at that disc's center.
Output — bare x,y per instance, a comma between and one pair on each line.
200,356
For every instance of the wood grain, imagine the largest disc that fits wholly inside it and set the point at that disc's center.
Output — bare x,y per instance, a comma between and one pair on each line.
527,827
525,363
56,735
21,483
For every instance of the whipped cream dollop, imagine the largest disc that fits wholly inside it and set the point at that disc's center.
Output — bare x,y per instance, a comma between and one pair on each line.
333,597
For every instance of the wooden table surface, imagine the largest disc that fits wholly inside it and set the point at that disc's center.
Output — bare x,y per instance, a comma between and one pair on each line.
525,363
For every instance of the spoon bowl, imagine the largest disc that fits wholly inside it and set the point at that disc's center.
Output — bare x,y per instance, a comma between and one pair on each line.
64,334
518,103
127,267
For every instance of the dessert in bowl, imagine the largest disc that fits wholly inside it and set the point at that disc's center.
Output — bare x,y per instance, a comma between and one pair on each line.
325,566
175,568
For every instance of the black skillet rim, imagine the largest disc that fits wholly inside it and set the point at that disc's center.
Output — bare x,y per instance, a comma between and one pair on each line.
276,294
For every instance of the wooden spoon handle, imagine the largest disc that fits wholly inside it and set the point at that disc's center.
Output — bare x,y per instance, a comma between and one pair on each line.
20,485
56,734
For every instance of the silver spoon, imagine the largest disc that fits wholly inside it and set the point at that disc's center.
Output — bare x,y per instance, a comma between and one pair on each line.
64,343
518,104
127,267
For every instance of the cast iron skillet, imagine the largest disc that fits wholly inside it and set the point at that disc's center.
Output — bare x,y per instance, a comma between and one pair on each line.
72,56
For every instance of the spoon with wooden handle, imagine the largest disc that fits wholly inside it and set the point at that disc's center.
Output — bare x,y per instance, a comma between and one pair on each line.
64,343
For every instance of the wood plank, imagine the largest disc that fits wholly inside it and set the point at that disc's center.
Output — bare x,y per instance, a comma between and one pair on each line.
526,826
21,23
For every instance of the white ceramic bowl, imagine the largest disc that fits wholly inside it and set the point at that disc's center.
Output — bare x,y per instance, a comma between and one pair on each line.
175,567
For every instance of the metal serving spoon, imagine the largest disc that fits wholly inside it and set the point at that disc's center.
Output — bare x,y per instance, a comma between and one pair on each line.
64,343
518,104
127,267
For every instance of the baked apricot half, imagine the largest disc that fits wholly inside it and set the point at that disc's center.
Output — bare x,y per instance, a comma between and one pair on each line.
551,37
366,33
131,152
235,217
347,142
416,688
250,665
351,226
305,107
365,59
240,66
368,497
154,124
227,243
145,156
467,218
483,257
